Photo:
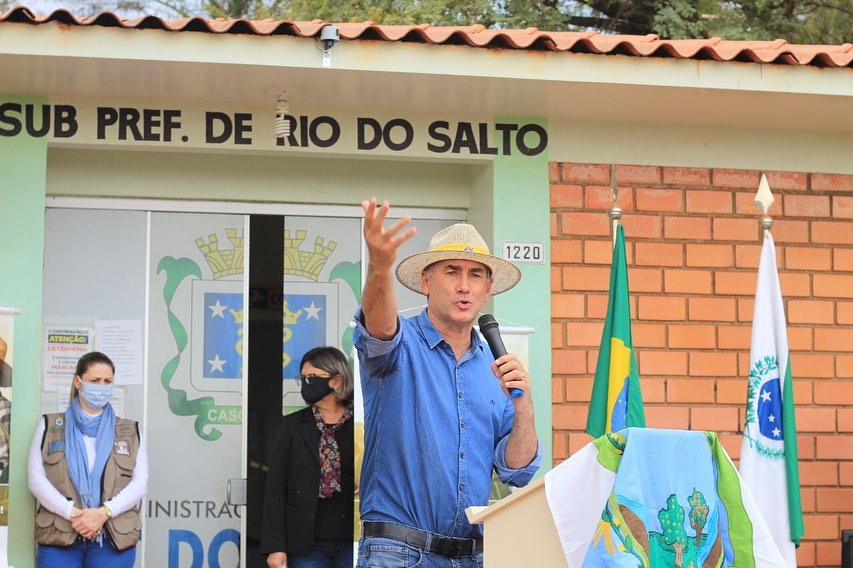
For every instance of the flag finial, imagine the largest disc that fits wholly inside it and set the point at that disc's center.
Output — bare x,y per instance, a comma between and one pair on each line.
764,199
615,212
613,190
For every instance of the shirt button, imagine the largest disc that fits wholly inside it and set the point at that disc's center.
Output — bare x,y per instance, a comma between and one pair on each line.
462,423
461,487
460,394
462,456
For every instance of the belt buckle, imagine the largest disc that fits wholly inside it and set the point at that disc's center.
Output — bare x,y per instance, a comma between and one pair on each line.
454,547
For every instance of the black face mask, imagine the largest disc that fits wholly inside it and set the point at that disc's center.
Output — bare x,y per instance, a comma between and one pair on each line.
317,390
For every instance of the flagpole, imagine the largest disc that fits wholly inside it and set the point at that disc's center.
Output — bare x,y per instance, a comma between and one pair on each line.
769,460
764,200
616,401
615,212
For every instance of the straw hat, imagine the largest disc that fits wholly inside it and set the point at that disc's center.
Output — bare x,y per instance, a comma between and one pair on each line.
458,242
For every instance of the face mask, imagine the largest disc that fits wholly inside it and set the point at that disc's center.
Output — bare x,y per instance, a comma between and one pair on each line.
316,391
96,396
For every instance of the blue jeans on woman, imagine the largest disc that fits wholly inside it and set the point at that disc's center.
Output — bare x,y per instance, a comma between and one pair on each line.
326,554
84,554
381,552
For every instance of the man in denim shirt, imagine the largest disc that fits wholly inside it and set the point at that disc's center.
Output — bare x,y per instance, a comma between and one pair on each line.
438,419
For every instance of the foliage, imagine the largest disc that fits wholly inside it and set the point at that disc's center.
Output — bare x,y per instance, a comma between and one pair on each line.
672,527
797,21
698,514
672,522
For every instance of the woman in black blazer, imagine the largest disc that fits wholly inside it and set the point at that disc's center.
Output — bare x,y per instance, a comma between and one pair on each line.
308,505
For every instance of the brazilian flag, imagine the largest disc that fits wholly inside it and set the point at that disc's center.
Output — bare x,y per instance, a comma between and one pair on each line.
617,402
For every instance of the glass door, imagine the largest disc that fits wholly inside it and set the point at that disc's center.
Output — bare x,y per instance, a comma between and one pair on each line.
305,284
197,276
94,299
162,294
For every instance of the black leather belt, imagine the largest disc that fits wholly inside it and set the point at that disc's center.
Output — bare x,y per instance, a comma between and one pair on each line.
446,546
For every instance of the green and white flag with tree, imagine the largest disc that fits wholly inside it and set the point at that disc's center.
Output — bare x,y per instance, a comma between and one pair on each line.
653,498
768,459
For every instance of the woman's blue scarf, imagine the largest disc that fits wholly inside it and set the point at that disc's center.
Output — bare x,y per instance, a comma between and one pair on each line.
103,429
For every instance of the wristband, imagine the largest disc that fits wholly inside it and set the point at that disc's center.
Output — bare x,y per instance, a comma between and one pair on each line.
107,510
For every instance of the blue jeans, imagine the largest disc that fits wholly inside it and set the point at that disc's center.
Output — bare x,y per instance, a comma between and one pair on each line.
381,552
84,554
326,554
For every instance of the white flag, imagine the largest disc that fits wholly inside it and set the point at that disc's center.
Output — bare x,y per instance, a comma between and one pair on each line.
768,458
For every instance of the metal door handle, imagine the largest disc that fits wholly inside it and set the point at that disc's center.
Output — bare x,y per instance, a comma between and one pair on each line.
235,493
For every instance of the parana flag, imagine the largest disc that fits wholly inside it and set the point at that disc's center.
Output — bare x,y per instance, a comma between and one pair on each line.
768,458
616,402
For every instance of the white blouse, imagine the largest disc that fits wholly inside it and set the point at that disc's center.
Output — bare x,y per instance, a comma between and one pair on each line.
52,500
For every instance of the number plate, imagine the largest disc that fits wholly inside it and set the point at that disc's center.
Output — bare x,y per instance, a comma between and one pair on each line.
524,251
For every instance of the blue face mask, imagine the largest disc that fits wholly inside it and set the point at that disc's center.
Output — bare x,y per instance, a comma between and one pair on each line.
96,396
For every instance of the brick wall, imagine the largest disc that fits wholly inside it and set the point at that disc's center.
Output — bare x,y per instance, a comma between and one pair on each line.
693,242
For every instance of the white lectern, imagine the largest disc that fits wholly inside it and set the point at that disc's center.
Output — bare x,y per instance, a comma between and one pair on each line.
519,530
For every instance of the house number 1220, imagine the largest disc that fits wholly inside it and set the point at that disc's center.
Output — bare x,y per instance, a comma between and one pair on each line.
524,251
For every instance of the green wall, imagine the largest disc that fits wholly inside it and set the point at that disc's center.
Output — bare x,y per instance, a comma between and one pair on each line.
23,165
510,202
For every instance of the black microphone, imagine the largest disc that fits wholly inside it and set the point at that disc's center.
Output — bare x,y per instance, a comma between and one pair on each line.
489,329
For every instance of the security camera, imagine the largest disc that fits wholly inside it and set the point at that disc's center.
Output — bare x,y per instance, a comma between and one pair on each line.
329,35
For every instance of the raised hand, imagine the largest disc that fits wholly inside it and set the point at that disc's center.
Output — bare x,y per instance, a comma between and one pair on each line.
383,244
378,300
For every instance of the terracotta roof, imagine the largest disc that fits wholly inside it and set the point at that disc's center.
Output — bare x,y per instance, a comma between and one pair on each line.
717,49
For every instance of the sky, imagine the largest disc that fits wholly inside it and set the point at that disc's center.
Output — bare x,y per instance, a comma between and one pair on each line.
83,8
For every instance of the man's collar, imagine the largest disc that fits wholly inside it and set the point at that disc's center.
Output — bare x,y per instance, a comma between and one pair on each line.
434,337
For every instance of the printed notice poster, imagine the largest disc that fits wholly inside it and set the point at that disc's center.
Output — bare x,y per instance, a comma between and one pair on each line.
121,341
63,346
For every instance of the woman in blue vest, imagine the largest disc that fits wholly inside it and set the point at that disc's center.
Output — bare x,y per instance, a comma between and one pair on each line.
88,470
308,504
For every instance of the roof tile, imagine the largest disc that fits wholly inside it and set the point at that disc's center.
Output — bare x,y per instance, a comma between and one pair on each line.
777,52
